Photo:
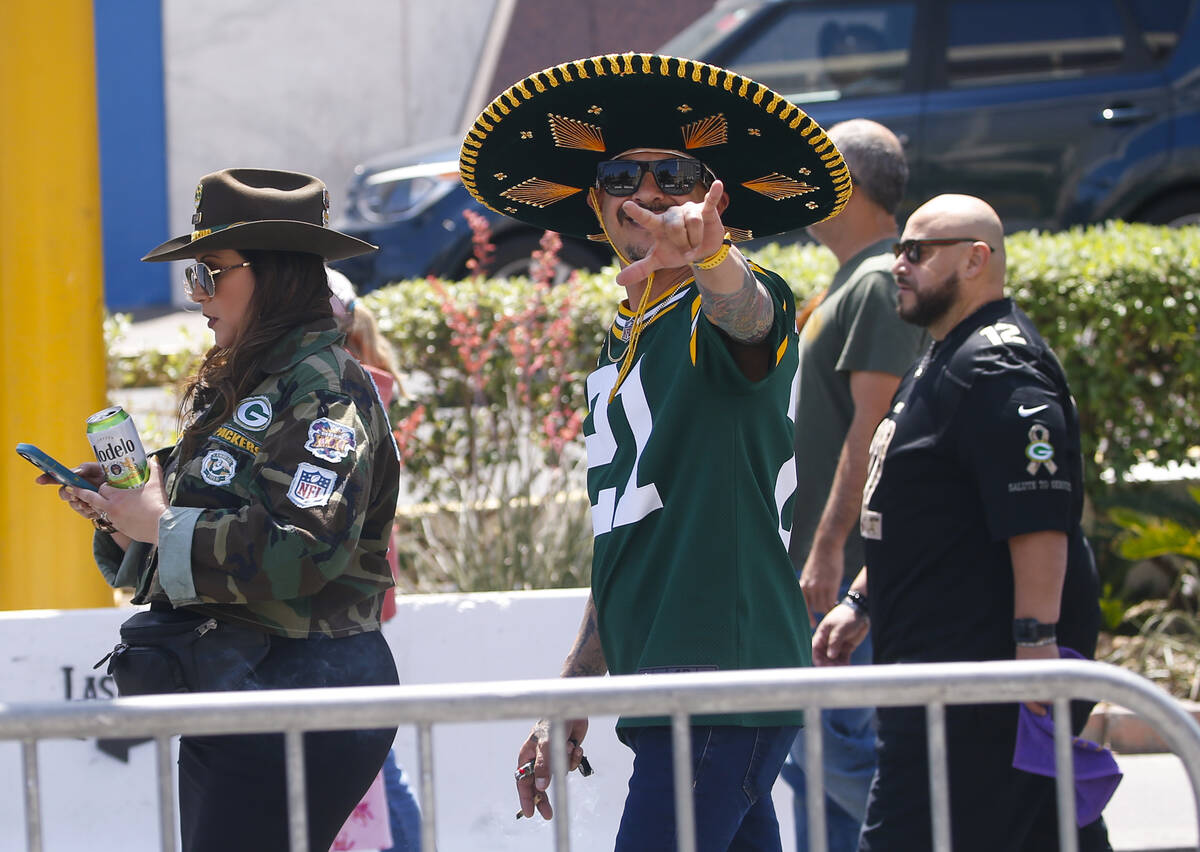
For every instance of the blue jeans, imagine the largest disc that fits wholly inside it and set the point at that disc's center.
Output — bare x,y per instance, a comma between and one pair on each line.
848,740
404,816
733,771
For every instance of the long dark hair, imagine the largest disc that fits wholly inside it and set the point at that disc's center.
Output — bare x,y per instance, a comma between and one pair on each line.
290,289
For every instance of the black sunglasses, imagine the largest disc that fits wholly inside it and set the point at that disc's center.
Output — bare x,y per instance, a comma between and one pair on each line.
676,176
199,276
911,249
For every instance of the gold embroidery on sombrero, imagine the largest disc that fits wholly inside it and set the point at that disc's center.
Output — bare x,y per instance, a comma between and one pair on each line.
812,205
713,130
684,108
539,193
573,133
778,187
595,110
739,235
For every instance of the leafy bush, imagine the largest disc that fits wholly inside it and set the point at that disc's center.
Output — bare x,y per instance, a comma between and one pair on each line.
1166,644
1120,306
490,360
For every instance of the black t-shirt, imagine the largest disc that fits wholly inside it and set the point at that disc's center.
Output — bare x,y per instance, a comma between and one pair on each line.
981,444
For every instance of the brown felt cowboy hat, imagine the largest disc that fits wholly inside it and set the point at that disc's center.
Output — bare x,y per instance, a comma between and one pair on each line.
261,209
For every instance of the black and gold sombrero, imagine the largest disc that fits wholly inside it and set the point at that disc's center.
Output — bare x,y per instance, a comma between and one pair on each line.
532,152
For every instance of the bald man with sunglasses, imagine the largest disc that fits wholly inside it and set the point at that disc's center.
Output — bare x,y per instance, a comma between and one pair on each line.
971,527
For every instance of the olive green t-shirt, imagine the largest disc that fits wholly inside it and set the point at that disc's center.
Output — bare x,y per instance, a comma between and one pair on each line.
855,328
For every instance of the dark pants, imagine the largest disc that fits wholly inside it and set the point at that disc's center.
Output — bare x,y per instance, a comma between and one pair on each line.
233,789
993,807
733,771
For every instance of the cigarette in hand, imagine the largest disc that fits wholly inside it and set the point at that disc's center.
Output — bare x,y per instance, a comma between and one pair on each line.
537,798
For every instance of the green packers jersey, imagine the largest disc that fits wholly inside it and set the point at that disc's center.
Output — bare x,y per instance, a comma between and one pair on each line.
691,475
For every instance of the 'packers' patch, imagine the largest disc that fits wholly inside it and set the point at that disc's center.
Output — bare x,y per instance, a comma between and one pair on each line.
329,440
236,439
218,467
311,486
254,413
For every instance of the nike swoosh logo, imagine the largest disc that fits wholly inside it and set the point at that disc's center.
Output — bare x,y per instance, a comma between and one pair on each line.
1029,412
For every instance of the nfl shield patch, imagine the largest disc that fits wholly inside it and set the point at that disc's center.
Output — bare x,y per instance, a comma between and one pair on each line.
329,440
311,486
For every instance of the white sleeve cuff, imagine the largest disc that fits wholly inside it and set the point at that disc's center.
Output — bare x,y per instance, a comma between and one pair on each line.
175,553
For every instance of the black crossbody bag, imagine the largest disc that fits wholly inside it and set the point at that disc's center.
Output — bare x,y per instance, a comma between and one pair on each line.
164,650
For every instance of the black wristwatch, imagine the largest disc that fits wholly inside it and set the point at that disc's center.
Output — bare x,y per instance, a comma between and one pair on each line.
1031,633
857,601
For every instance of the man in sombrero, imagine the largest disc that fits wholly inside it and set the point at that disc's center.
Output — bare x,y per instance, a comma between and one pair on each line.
689,432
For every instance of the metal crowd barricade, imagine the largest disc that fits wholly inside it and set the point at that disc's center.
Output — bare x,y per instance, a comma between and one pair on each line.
292,712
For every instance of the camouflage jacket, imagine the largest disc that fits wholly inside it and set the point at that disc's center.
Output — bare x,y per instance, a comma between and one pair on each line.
281,518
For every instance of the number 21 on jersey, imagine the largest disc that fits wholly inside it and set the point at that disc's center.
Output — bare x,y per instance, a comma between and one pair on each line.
634,501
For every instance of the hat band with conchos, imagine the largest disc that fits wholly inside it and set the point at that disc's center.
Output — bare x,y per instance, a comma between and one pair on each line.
532,153
261,209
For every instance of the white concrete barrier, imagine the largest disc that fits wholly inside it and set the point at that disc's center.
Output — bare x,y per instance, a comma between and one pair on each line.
100,795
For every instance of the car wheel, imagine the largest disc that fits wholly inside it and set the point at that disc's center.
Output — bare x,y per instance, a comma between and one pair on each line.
1181,208
514,257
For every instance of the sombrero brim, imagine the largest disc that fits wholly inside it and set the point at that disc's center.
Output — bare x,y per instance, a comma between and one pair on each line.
532,153
265,235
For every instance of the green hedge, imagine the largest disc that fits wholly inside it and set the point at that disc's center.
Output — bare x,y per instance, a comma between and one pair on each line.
1117,302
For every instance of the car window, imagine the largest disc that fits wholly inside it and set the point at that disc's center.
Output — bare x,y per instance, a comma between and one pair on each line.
823,53
710,29
1161,22
1004,41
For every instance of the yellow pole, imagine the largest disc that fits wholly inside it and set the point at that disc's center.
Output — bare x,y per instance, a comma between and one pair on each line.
51,343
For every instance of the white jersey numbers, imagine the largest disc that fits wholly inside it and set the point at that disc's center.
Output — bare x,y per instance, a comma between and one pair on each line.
1003,332
634,501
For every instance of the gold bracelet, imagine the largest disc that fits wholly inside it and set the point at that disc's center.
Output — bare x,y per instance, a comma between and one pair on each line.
717,257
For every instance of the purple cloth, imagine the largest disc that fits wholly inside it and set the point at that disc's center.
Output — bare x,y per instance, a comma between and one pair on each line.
1096,772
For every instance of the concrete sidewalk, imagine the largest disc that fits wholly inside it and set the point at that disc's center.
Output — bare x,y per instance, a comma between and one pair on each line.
1153,810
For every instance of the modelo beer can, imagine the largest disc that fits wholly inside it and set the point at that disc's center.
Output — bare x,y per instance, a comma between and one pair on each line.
118,448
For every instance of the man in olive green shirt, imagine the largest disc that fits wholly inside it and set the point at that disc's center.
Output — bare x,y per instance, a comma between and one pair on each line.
853,350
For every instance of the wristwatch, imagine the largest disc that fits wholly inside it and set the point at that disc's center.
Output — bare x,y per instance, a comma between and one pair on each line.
1031,633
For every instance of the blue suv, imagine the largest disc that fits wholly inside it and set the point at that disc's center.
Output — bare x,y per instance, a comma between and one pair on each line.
1058,112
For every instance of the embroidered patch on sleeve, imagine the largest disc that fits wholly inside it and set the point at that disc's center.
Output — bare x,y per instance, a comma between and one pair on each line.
218,467
312,486
254,413
330,440
236,439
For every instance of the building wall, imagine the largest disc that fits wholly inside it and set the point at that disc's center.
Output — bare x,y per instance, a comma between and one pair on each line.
548,32
309,86
100,795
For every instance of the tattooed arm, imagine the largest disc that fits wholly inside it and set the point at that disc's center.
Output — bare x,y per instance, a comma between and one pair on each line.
735,301
585,659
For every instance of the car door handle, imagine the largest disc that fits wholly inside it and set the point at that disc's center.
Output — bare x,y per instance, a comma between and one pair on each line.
1122,114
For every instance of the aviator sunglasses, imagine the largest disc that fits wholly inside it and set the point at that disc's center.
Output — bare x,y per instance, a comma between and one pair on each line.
676,176
911,249
198,275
